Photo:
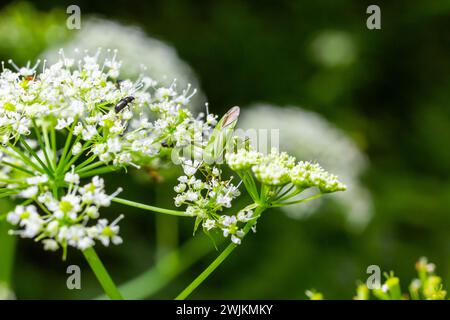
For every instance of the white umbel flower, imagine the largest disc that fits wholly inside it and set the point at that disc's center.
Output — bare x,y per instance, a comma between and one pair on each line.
69,219
309,136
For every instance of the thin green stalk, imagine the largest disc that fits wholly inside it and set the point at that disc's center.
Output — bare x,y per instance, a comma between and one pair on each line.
289,195
12,180
280,195
17,167
218,261
70,158
249,186
166,234
75,158
9,191
61,163
21,156
166,230
42,145
282,204
5,195
252,182
7,247
89,167
102,275
49,145
34,154
98,171
151,208
53,144
166,269
85,163
263,192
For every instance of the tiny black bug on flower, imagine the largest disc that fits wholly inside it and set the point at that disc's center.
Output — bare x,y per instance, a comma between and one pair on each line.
123,103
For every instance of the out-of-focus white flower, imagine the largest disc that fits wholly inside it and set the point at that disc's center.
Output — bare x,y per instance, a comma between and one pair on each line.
308,136
160,59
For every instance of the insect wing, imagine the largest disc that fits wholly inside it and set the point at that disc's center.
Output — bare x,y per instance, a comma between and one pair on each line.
221,136
231,117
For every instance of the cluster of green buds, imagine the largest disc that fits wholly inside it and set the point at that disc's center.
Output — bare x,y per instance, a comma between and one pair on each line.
427,286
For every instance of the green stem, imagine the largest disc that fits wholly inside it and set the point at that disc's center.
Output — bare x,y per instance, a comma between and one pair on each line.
151,208
7,247
218,261
250,185
98,171
42,145
48,145
17,167
102,275
34,155
62,160
205,274
85,163
53,144
75,158
282,204
7,194
22,157
166,234
166,269
90,167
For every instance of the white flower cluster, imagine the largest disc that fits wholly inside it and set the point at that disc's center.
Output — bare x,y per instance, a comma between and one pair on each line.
308,135
80,96
66,221
278,168
104,123
231,226
205,198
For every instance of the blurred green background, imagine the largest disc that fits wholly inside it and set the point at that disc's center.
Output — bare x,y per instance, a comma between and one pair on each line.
388,89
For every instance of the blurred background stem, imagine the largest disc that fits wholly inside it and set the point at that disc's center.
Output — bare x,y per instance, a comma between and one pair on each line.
7,249
218,261
166,236
166,269
166,228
